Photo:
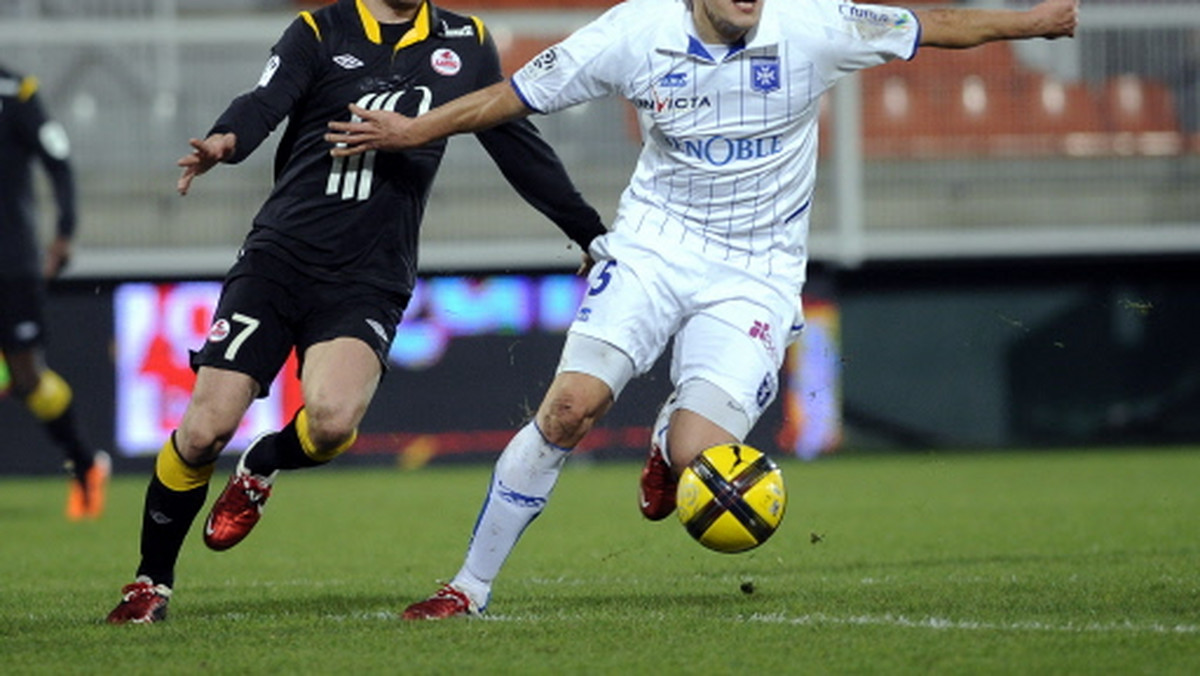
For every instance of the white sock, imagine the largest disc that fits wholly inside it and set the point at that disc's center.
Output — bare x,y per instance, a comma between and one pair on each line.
662,424
524,477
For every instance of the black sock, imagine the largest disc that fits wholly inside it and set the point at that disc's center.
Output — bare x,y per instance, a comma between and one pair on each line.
65,433
281,450
165,523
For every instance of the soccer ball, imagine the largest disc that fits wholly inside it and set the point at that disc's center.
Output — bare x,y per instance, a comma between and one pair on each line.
731,498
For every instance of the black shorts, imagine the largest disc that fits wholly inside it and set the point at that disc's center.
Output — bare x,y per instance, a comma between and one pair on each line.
267,308
21,323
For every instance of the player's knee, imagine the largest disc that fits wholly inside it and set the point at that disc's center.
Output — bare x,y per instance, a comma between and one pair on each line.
326,432
565,418
199,439
326,425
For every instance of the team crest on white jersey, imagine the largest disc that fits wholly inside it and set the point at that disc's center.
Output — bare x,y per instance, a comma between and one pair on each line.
348,61
446,62
764,73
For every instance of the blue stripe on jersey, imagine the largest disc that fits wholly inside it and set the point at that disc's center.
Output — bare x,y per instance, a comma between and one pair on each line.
796,214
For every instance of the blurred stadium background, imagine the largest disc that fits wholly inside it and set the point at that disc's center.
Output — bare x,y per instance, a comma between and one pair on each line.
1005,242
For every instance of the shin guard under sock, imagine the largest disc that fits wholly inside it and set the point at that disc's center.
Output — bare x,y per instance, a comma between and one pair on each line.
165,523
524,478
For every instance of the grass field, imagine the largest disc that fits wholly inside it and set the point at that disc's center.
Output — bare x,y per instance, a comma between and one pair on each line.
1015,563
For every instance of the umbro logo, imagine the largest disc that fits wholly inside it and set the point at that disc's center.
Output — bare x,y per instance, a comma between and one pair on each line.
460,32
378,329
348,61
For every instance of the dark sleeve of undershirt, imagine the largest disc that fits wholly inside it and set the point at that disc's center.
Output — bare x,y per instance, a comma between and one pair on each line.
54,154
535,172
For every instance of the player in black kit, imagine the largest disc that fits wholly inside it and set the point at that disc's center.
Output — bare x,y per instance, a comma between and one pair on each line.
330,261
28,134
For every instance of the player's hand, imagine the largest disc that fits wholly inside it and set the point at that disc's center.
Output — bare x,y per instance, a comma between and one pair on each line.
1057,18
205,155
585,265
58,254
370,130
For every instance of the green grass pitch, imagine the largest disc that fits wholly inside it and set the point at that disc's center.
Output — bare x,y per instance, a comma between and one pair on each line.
1007,563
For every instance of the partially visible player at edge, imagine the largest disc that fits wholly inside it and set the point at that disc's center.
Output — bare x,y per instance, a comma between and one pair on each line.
330,262
27,134
709,243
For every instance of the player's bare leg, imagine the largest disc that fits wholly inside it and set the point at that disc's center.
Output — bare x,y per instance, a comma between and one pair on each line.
338,381
690,434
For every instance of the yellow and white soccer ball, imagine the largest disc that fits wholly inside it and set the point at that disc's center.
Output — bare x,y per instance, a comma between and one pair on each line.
731,498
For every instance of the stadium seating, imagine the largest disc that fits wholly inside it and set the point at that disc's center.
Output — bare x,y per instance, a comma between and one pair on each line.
983,102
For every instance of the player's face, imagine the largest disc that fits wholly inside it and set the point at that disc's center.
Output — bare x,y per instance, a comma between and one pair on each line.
725,20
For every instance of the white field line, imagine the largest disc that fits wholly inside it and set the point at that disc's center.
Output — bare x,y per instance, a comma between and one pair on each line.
944,624
822,619
806,620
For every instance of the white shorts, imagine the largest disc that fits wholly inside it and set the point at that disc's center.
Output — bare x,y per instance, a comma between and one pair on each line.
731,327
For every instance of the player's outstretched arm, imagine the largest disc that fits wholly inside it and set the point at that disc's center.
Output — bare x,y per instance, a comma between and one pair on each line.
962,28
386,130
204,156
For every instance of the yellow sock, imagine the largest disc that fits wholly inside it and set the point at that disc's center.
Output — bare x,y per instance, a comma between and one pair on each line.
310,449
176,474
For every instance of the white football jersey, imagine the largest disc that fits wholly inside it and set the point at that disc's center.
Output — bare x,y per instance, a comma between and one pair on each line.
729,133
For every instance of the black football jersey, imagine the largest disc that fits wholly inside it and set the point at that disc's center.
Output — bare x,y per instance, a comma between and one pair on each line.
357,219
29,135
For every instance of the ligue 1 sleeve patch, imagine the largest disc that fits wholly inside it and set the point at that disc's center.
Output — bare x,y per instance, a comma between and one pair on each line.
53,138
541,64
269,70
445,62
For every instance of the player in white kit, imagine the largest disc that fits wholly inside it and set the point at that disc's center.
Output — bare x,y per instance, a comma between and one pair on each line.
709,243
